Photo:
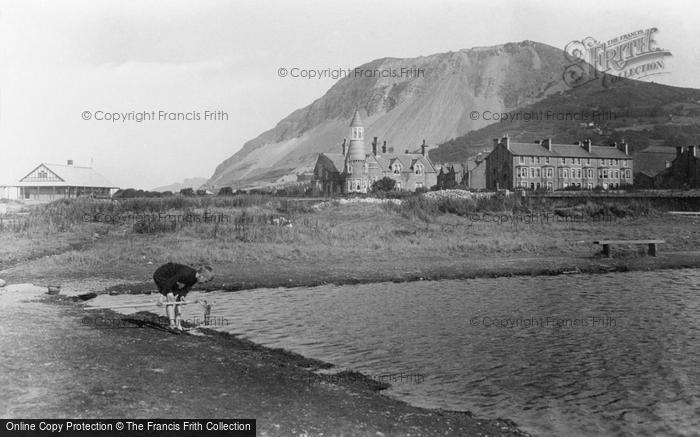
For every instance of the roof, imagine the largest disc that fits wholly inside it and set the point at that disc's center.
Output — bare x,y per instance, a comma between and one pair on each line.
653,159
356,120
566,151
410,159
70,176
337,159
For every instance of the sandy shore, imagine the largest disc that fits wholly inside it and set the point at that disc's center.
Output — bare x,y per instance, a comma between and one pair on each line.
59,364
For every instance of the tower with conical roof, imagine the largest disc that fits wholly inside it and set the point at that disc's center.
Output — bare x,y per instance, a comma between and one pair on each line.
355,160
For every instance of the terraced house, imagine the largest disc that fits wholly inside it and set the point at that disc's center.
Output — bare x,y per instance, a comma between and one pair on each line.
354,170
544,165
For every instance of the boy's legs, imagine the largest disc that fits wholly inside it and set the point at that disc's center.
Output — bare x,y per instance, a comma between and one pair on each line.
178,316
170,310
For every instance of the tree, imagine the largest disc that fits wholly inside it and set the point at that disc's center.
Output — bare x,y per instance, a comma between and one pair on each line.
187,192
383,184
226,191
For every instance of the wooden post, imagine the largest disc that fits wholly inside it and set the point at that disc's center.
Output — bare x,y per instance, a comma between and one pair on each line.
606,250
652,249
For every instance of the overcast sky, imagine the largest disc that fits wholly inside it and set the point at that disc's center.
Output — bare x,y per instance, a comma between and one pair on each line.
61,58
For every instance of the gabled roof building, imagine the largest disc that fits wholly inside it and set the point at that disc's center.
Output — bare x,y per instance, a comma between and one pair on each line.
355,170
48,182
545,165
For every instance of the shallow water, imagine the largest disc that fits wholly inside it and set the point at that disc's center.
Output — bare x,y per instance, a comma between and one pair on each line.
566,355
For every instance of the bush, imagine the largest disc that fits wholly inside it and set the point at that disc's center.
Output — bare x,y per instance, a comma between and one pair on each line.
384,184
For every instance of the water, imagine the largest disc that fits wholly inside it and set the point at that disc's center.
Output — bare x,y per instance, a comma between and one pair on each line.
612,354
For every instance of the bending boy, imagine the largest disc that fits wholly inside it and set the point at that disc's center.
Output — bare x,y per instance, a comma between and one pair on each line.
174,282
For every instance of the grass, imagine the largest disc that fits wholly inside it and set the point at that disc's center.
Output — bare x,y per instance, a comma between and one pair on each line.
251,237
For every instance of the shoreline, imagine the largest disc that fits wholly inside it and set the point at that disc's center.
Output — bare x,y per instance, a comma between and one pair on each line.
250,278
145,372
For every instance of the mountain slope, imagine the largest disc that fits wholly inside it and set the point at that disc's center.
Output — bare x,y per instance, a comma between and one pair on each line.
641,113
434,106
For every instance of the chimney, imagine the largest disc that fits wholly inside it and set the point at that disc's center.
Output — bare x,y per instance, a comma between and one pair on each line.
495,142
384,147
422,148
623,147
70,162
374,146
691,151
344,140
506,141
407,152
679,150
587,145
547,143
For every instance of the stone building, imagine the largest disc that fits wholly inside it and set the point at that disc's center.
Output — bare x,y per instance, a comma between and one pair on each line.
451,175
545,165
682,172
355,170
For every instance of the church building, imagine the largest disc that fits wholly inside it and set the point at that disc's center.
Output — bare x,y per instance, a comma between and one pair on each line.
355,170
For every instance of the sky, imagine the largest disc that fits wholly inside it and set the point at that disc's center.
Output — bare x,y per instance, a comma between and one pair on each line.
65,66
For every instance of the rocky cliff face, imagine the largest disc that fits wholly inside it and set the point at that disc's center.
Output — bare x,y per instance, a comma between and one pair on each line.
432,101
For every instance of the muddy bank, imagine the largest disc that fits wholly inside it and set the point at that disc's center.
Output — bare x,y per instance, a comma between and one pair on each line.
244,277
60,363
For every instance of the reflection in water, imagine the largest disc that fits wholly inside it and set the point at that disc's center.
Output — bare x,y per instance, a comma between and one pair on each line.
582,354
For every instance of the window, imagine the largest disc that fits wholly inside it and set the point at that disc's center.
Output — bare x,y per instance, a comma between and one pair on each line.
624,163
578,161
537,160
566,173
532,160
349,168
396,167
537,186
561,172
578,173
546,160
605,173
549,185
550,172
532,172
398,185
521,160
538,172
588,161
419,185
629,173
610,162
615,162
563,160
617,174
42,174
602,161
590,173
589,186
418,168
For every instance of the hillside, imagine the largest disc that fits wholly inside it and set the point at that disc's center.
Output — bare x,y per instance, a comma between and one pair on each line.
434,106
644,114
177,186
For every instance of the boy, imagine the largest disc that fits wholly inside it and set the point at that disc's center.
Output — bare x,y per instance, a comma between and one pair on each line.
174,282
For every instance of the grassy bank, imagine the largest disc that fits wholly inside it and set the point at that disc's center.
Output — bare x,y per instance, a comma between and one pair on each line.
262,240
